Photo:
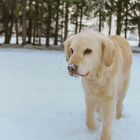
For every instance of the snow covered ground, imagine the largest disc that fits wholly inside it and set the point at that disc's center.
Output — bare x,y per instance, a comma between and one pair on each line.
40,101
13,40
132,40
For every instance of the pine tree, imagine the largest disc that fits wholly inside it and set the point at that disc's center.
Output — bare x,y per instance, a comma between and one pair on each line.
7,19
135,16
24,26
99,11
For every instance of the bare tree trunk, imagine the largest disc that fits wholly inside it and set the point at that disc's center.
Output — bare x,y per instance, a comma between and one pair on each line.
10,30
126,27
39,24
24,22
139,33
110,24
37,20
119,24
7,36
100,20
56,26
66,20
119,17
29,31
16,28
62,23
76,24
48,29
39,38
37,33
8,21
5,13
34,33
76,19
81,18
126,21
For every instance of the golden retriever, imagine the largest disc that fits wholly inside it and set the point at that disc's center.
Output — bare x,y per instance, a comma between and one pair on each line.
104,64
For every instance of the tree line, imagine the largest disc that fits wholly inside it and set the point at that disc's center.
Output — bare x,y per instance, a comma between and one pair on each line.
51,19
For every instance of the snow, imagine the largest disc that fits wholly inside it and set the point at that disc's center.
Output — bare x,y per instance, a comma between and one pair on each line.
132,40
13,40
40,101
133,43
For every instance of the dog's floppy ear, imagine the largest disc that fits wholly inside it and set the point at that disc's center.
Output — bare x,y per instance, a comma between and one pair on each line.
108,52
67,44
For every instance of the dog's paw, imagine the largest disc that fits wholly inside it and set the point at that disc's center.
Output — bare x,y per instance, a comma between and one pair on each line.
105,137
119,116
91,125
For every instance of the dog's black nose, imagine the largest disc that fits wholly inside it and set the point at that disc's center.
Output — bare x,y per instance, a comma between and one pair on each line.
72,68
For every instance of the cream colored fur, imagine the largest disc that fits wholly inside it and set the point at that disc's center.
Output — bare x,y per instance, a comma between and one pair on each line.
108,68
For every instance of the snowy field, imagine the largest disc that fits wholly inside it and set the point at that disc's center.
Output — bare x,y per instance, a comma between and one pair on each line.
40,101
133,41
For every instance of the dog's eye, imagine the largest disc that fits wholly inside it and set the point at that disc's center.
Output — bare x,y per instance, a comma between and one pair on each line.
71,50
87,51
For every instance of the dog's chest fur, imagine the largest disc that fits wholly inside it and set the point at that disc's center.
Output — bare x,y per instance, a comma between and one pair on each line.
95,88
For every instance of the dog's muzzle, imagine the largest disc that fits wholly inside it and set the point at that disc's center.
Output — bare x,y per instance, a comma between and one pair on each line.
72,68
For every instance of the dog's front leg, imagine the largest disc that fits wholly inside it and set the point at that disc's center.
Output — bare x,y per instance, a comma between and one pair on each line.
90,109
108,113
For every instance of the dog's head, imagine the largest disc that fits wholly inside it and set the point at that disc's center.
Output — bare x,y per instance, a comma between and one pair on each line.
86,51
